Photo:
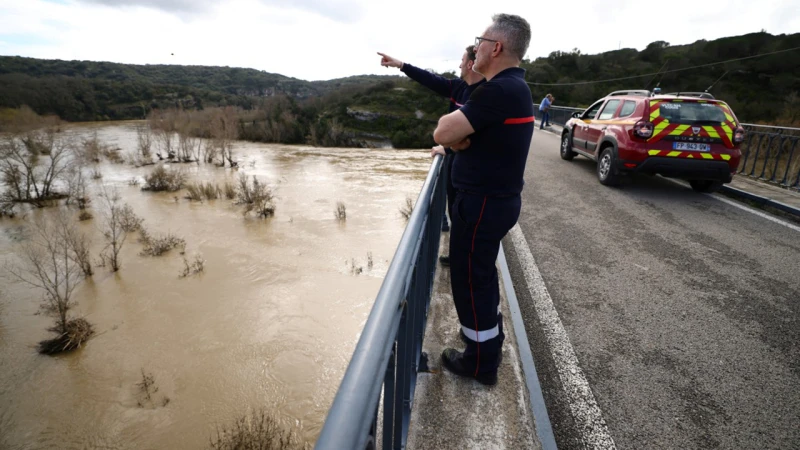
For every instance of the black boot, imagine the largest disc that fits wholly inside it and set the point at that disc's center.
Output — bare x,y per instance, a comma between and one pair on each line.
453,360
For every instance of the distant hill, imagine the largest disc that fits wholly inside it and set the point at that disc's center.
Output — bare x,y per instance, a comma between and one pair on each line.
393,108
758,89
88,90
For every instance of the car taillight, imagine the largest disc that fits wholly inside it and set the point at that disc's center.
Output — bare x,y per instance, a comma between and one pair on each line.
738,135
643,129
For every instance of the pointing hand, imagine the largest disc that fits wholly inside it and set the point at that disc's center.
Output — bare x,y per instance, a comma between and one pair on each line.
388,61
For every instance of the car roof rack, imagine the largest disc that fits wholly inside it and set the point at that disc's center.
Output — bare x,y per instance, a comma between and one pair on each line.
692,94
644,92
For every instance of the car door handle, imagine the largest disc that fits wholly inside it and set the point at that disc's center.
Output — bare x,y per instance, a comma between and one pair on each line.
603,129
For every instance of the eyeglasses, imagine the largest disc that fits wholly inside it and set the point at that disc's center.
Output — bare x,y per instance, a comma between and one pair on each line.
479,39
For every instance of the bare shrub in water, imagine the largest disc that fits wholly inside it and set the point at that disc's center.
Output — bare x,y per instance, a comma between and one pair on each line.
91,150
79,245
161,179
197,265
211,191
224,130
230,190
144,141
341,211
194,192
76,188
407,209
128,219
256,431
256,197
147,390
157,245
49,263
198,191
119,220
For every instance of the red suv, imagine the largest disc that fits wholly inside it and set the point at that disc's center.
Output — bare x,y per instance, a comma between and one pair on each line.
684,135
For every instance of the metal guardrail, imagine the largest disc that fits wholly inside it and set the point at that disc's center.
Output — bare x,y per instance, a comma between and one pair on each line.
772,154
769,153
389,352
559,115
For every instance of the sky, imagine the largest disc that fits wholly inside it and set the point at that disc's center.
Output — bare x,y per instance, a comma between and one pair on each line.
326,39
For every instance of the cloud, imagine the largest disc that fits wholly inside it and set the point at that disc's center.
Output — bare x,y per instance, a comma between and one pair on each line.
172,6
325,39
347,11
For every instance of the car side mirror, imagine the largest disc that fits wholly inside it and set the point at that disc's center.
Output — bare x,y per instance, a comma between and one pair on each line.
576,114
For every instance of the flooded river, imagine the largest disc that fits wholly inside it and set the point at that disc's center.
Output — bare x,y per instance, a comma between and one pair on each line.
271,322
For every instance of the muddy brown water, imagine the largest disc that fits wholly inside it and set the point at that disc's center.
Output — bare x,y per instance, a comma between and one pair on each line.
271,322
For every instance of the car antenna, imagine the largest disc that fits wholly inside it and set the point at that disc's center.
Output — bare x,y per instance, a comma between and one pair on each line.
712,84
656,74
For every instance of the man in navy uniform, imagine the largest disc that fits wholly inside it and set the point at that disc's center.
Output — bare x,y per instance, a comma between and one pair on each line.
491,135
457,90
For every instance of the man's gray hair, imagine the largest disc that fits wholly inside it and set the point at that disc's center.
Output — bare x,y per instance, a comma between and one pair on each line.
515,30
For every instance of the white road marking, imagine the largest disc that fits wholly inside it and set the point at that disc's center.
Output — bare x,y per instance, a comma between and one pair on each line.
739,205
756,212
585,411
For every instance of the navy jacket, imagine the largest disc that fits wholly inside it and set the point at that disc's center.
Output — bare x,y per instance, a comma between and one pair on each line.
501,112
456,89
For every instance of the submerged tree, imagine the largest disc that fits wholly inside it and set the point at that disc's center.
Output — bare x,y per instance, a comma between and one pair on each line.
119,220
31,165
49,263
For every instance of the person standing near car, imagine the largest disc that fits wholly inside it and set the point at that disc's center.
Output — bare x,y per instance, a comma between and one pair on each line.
491,135
458,91
544,108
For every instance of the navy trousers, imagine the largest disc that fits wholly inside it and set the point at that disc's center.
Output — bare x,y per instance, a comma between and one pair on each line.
479,223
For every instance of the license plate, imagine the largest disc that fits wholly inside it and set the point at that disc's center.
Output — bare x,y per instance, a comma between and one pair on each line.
691,146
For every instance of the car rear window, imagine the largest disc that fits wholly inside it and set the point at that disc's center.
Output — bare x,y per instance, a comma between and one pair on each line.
691,112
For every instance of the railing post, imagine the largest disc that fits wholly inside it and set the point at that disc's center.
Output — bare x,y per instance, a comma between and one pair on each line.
388,400
746,152
789,163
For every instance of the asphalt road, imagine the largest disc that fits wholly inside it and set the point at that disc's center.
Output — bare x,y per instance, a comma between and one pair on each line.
683,311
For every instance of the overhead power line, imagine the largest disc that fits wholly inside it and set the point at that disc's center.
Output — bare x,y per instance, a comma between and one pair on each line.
666,71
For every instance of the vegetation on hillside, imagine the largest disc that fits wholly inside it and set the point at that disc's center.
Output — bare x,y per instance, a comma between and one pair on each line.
374,110
762,89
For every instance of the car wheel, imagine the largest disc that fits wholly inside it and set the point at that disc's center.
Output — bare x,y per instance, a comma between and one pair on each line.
606,172
705,185
566,147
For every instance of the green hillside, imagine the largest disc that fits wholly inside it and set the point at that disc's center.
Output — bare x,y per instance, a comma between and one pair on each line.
354,110
759,89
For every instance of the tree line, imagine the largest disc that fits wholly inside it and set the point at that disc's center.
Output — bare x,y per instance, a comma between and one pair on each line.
763,89
369,109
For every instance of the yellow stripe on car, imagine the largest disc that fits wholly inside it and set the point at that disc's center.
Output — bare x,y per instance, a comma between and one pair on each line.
655,114
727,130
679,131
712,132
660,127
